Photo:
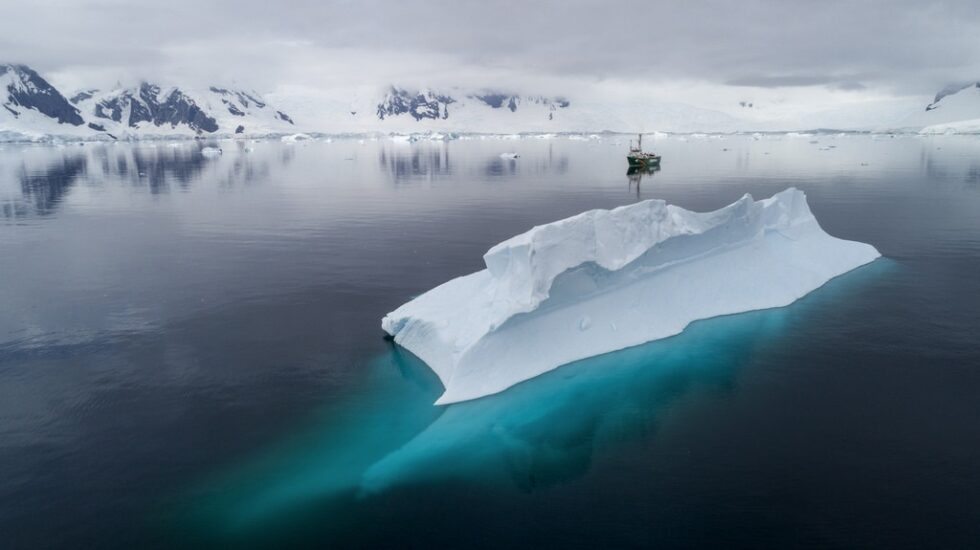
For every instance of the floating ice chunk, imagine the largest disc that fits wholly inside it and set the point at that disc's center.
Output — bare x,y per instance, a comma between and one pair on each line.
508,155
293,138
210,151
609,279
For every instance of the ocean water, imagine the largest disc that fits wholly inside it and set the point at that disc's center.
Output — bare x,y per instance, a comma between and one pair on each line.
190,353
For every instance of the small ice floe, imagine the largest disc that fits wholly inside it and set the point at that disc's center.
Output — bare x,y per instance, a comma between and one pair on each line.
173,145
439,136
510,156
211,151
293,138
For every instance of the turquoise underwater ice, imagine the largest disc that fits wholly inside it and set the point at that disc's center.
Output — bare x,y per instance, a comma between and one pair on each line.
534,436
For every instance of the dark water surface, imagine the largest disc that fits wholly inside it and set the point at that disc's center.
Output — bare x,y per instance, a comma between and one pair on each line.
190,353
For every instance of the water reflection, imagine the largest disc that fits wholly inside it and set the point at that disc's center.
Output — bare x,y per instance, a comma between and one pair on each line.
634,175
551,163
44,177
43,188
973,175
158,167
406,162
500,167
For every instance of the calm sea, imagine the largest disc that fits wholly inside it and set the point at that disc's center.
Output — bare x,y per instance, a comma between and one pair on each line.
190,353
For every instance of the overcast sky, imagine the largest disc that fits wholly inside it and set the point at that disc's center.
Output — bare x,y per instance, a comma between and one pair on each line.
894,48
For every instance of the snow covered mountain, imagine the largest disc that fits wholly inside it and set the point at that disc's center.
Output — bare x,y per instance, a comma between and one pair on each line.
486,110
33,108
955,109
150,109
29,101
427,104
418,105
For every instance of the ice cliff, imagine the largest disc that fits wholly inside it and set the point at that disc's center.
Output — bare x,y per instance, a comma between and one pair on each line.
608,279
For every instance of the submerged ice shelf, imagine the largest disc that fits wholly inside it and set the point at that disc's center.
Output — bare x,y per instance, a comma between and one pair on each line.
609,279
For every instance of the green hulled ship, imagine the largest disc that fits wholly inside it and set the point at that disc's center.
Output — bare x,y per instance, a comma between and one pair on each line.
638,159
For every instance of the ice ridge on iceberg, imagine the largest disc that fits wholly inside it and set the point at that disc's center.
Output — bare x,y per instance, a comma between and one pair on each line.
605,280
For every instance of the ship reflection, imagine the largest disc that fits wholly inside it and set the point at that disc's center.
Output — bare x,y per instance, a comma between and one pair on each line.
635,176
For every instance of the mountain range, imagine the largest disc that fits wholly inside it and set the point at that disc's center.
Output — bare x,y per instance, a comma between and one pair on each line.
32,109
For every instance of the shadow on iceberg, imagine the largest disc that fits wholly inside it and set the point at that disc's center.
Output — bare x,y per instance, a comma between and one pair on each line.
544,432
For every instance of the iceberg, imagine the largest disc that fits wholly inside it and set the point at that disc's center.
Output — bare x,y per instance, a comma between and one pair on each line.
605,280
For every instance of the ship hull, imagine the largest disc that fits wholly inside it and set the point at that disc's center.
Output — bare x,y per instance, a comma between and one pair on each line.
641,161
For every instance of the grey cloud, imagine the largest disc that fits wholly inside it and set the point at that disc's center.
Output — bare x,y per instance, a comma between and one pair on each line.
903,44
847,83
774,81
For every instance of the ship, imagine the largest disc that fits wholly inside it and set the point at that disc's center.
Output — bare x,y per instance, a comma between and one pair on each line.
638,159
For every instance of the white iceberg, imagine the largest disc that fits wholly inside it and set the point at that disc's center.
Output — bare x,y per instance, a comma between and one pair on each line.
609,279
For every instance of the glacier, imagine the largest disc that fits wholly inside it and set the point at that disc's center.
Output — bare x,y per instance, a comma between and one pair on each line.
605,280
